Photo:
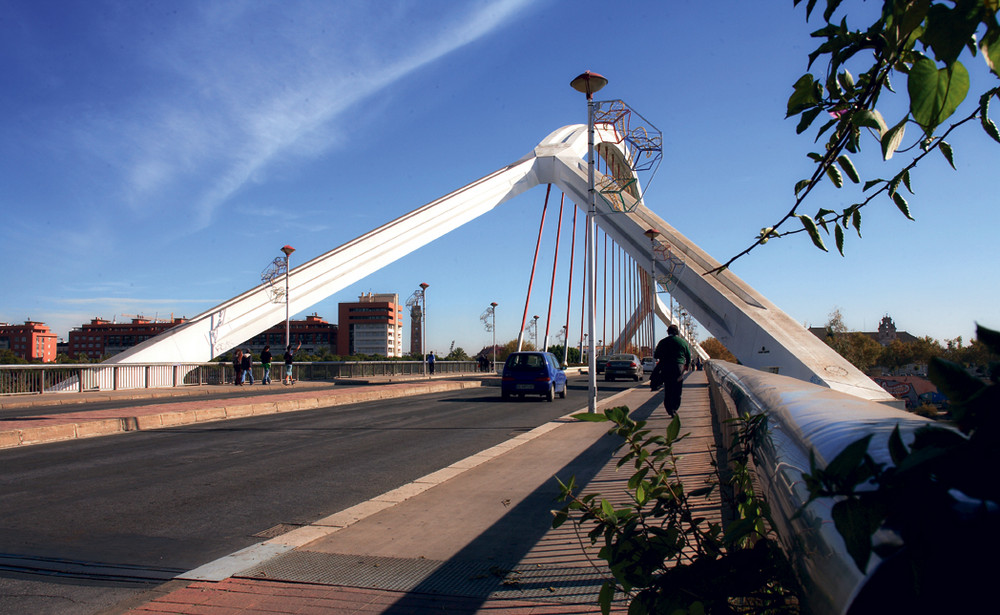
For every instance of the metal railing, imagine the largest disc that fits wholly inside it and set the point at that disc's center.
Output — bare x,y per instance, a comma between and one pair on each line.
84,377
804,419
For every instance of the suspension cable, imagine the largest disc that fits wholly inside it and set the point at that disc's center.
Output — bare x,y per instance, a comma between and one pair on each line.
552,285
531,279
569,288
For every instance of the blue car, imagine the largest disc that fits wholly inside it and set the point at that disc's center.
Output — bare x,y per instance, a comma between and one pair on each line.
532,373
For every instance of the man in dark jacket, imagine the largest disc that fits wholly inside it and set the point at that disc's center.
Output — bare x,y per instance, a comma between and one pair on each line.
673,357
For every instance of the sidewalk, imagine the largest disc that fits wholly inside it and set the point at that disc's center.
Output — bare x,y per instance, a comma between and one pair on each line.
36,427
471,538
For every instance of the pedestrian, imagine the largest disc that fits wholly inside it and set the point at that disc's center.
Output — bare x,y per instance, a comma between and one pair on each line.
430,363
289,359
674,358
265,362
238,367
248,367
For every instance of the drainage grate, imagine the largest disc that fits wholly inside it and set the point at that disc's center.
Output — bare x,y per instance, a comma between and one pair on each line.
456,578
278,530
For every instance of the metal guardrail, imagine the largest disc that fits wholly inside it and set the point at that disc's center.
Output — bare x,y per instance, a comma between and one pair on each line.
83,377
804,419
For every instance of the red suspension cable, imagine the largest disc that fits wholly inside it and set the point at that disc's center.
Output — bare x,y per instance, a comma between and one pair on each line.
569,289
531,279
552,285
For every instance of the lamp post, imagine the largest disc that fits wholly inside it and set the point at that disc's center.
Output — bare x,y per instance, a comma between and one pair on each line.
288,330
652,234
588,83
493,313
423,323
534,330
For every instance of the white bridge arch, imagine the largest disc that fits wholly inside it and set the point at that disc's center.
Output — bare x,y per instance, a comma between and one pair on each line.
760,334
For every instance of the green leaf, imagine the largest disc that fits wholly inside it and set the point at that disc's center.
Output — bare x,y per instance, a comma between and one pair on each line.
870,183
848,167
948,30
856,522
839,235
593,418
673,428
869,118
844,464
846,80
906,181
807,120
901,203
559,517
834,175
799,185
984,108
606,595
891,140
897,450
856,220
813,231
935,94
806,93
990,46
948,154
989,337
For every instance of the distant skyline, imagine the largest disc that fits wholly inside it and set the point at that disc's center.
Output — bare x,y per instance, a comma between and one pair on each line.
158,155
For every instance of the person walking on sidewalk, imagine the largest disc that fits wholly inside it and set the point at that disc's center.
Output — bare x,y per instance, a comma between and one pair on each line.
238,367
289,359
430,363
265,363
673,357
248,367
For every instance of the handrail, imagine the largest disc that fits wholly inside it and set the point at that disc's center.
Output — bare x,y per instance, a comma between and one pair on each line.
804,419
83,377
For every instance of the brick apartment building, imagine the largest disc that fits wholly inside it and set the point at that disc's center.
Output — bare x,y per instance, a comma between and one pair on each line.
32,341
373,325
102,337
315,334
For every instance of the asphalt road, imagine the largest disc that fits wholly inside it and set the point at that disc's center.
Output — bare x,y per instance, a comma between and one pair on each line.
88,523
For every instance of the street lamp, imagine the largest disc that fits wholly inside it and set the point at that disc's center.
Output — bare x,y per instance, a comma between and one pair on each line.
588,83
534,330
288,336
423,324
493,313
652,234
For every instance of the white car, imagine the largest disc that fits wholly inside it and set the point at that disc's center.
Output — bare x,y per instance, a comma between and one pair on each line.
648,363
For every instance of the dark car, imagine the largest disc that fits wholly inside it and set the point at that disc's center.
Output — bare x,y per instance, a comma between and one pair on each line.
533,373
623,366
601,363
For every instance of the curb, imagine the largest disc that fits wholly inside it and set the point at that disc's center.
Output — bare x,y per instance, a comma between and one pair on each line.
108,426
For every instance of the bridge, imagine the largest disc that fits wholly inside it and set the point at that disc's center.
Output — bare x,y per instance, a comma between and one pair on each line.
755,330
816,400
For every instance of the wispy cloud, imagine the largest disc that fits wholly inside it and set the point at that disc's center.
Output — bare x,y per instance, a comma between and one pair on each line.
241,104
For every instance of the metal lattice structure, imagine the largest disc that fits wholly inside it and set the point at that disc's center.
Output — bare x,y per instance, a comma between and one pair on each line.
274,272
673,264
638,148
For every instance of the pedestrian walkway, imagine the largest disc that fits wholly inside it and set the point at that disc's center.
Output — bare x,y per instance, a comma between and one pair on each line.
475,537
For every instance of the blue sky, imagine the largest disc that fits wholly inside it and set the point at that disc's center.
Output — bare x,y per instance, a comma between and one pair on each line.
157,155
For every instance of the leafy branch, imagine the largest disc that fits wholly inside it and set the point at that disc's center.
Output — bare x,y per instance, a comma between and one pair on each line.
664,556
934,96
932,513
